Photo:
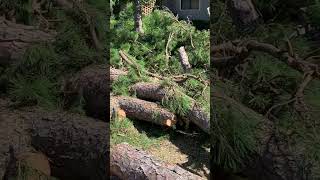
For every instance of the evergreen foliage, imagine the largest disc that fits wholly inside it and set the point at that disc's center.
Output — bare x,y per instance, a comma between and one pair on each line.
263,82
37,77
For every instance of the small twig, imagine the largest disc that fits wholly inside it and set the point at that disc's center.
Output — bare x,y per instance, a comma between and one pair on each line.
278,105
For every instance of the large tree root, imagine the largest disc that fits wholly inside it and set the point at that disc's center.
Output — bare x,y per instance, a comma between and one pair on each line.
76,146
156,92
144,110
16,38
129,163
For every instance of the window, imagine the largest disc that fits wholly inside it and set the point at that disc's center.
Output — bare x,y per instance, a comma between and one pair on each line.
190,4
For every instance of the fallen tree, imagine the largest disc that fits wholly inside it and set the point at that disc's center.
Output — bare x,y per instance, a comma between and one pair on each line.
156,92
16,38
269,156
77,146
130,163
144,110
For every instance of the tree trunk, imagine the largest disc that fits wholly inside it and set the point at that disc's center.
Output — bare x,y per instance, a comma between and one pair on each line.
243,13
184,60
145,111
155,92
16,38
129,163
77,146
138,17
91,83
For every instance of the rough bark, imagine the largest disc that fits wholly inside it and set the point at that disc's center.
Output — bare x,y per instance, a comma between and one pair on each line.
243,13
16,38
138,17
91,83
184,60
129,163
76,146
156,92
145,111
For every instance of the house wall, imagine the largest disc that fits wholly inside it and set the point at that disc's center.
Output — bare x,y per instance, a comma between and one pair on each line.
201,14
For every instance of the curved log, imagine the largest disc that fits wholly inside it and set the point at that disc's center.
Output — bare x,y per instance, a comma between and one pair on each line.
129,163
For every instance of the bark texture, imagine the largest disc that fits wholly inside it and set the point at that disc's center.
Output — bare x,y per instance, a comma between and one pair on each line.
144,110
156,92
184,60
129,163
91,83
16,38
243,13
138,17
77,146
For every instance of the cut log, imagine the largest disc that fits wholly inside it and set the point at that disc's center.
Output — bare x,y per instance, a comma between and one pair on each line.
16,38
129,163
184,60
91,83
145,111
156,92
76,146
115,111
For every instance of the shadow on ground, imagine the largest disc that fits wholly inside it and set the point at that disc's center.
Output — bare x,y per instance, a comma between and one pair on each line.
188,149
